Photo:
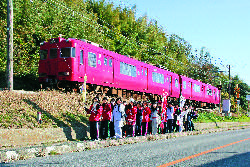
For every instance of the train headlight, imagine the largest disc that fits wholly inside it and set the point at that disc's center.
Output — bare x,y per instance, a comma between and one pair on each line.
63,73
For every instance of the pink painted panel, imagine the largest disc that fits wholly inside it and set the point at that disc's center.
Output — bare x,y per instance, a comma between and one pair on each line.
186,87
175,85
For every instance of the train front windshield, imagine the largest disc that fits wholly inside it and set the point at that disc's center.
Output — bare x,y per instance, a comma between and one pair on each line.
67,52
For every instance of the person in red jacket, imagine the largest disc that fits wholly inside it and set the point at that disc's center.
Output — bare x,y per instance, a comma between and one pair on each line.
145,118
131,111
106,117
95,112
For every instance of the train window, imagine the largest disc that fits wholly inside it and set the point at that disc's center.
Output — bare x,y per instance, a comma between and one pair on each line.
92,59
184,83
105,61
73,52
197,88
81,57
146,73
53,53
67,52
133,71
110,62
142,72
127,69
157,77
99,62
209,92
176,83
43,54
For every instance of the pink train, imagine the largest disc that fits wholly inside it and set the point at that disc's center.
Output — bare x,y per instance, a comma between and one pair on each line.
66,62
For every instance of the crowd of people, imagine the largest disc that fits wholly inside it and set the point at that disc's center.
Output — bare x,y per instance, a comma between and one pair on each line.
117,119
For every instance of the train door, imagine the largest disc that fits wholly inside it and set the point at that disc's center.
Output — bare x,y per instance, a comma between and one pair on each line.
145,78
91,66
108,69
167,84
82,65
170,85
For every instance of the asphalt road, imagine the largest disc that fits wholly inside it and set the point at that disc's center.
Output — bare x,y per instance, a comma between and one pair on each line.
157,153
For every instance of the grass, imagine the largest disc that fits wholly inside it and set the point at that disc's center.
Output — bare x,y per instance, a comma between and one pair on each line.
58,109
206,117
54,153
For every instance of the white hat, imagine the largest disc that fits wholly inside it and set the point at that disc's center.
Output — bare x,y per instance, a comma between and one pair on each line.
132,100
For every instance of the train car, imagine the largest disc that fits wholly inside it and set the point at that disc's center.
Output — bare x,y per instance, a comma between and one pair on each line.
67,61
156,81
130,74
57,61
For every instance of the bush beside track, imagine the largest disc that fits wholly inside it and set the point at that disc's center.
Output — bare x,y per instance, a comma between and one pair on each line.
214,116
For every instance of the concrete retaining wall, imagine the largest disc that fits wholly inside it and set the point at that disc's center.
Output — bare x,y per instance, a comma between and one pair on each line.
202,126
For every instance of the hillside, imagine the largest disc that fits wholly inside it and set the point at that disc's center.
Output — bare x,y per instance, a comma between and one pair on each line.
19,109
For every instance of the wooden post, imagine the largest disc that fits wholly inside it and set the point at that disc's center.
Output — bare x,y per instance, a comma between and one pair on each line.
9,70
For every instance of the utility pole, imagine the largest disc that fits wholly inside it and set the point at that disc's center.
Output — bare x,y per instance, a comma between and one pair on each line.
9,70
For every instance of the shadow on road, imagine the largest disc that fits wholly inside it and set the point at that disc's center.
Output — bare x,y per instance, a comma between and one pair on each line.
239,160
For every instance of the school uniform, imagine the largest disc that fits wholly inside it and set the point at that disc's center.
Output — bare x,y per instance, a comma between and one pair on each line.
177,112
170,114
145,120
154,118
118,118
111,124
106,117
95,112
131,120
180,119
138,121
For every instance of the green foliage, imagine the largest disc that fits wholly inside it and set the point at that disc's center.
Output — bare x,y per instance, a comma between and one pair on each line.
205,117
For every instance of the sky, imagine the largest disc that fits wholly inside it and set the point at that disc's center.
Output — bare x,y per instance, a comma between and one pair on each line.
222,26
